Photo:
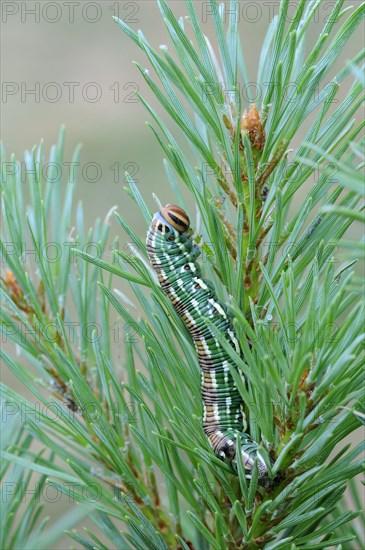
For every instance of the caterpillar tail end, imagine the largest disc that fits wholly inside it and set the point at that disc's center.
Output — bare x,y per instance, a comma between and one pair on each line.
250,456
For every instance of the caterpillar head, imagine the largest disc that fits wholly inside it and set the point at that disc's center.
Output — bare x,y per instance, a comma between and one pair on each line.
176,217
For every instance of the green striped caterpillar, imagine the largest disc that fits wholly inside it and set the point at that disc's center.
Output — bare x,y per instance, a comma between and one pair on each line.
173,256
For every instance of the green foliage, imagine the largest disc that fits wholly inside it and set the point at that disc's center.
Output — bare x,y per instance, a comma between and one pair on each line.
125,440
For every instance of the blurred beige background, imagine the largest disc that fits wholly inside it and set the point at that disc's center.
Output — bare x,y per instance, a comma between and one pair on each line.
69,63
79,63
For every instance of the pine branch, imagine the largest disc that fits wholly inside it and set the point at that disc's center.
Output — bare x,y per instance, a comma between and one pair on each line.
127,434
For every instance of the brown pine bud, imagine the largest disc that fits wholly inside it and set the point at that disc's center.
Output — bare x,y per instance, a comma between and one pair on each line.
15,291
251,123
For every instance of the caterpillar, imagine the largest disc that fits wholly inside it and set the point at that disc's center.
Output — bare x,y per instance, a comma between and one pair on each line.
174,256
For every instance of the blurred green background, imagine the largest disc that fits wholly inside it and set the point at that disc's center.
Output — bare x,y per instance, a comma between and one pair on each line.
68,63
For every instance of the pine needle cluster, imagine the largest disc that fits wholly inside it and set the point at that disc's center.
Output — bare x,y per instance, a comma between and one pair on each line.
124,442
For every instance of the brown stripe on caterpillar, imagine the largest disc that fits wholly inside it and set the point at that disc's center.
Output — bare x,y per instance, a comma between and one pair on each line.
207,379
222,445
176,217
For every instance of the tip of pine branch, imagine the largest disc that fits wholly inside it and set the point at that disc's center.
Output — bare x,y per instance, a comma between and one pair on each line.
252,125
